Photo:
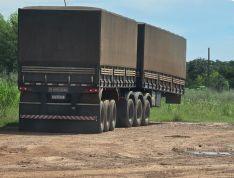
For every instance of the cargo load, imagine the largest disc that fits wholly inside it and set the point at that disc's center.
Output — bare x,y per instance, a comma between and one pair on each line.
76,38
161,59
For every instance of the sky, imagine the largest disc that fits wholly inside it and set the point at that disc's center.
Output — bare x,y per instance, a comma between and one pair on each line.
204,23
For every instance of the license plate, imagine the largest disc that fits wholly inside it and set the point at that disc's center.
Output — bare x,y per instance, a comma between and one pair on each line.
58,89
58,97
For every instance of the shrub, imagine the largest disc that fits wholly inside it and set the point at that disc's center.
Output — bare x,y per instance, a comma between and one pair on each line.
9,95
198,106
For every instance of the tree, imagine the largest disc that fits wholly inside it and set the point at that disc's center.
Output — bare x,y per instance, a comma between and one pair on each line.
218,82
8,43
3,41
221,74
226,69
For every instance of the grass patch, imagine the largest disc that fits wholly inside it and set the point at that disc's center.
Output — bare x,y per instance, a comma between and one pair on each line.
8,122
198,106
9,99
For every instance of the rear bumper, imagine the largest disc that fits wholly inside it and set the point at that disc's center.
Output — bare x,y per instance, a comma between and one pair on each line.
59,118
58,126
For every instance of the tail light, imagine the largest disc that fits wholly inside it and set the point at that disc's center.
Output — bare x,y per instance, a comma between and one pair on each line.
92,90
23,89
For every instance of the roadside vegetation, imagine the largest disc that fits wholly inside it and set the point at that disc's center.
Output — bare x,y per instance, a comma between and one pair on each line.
198,105
9,98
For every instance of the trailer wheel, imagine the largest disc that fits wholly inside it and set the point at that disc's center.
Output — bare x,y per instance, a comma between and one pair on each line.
112,115
126,112
107,118
146,113
138,114
102,118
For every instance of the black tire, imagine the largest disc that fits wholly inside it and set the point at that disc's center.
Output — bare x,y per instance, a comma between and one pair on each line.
126,112
146,113
101,118
138,113
107,118
113,115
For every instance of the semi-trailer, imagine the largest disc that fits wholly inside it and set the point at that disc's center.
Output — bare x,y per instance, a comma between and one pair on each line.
161,62
84,69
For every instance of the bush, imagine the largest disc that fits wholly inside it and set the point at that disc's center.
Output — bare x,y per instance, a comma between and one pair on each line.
9,96
198,106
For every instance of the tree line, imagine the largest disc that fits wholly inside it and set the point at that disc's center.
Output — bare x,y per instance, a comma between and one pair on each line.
217,74
220,76
8,43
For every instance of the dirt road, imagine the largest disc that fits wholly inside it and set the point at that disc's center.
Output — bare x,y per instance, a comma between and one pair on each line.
159,150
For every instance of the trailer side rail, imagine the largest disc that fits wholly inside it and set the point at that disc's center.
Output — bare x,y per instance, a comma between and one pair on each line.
163,82
117,77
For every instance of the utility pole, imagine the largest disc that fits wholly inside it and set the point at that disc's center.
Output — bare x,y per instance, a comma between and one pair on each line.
208,68
65,3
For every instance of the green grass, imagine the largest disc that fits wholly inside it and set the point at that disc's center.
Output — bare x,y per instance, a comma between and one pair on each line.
8,122
9,99
198,106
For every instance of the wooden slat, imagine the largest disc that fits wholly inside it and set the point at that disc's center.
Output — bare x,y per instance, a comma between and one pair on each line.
179,81
119,72
106,71
130,73
151,75
165,78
